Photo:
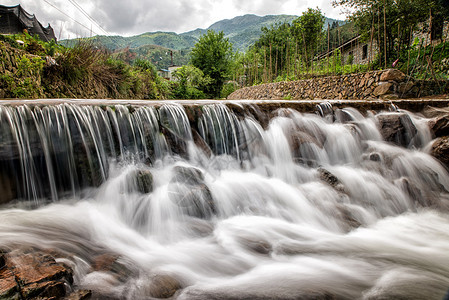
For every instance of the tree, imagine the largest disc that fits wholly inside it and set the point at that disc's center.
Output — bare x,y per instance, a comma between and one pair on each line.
308,30
189,82
213,55
274,45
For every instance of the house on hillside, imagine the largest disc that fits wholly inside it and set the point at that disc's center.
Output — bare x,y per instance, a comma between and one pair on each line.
168,74
14,19
354,51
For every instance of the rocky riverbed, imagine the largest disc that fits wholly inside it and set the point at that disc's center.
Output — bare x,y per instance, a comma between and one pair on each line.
64,257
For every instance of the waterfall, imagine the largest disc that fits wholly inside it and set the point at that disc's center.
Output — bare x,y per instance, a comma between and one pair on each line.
330,204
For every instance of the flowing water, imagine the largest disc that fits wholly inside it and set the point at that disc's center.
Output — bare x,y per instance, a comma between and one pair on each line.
307,206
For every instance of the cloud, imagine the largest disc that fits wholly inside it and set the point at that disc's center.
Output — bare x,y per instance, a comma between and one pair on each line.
133,17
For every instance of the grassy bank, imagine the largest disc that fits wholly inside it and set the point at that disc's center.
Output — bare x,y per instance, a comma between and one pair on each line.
35,69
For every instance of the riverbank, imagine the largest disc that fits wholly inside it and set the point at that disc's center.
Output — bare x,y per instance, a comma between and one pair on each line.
32,71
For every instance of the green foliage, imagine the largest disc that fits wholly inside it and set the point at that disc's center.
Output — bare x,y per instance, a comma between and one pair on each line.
308,30
416,61
25,82
242,31
288,97
228,88
189,83
165,39
10,40
157,55
214,56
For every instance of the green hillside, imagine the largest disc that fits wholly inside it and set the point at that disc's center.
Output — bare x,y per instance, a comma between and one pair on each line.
242,31
159,56
164,39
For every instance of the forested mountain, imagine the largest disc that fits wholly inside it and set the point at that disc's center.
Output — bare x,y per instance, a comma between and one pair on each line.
242,31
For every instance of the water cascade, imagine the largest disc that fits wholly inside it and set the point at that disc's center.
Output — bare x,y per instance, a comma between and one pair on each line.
220,204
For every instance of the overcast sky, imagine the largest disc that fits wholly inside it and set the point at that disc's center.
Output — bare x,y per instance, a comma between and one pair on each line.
133,17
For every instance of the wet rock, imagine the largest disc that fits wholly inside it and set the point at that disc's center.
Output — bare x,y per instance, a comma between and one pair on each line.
298,138
144,180
396,128
440,150
188,175
79,295
113,264
140,181
331,179
409,187
163,286
375,156
188,190
33,275
257,246
239,294
201,143
392,74
9,288
440,126
348,217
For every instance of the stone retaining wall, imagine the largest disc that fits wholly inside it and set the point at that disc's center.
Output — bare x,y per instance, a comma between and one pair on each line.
387,85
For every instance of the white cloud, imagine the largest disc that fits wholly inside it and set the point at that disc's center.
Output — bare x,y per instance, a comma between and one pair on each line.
138,16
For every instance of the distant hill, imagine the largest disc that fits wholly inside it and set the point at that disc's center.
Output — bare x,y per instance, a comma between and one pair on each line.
242,31
159,56
164,39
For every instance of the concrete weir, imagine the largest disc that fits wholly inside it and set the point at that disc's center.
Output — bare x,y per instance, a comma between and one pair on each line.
414,105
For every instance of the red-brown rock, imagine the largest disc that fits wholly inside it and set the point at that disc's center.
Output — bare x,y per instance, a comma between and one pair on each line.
392,74
440,150
31,275
383,89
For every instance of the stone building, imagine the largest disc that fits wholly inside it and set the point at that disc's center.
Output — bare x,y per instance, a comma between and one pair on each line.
428,33
355,51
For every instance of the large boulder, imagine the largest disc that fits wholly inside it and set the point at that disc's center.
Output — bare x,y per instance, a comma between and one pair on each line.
392,75
397,128
384,88
26,275
440,126
440,150
188,190
162,286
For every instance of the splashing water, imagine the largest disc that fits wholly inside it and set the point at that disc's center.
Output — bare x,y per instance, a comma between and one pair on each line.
311,206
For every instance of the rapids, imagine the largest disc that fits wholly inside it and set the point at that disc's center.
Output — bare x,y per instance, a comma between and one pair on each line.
305,206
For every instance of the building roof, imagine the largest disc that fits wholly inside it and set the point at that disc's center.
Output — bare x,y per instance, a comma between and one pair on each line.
14,19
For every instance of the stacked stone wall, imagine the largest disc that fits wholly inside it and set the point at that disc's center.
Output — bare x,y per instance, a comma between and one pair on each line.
387,85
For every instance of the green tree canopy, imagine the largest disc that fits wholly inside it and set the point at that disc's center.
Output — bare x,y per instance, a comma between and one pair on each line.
213,54
190,81
308,29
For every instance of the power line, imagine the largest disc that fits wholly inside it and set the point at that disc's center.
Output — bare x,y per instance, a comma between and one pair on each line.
77,6
69,16
90,29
